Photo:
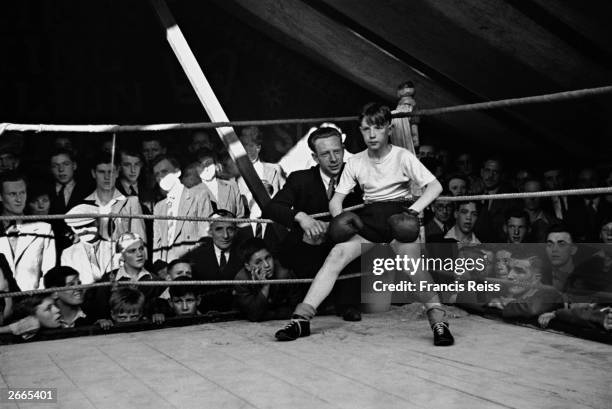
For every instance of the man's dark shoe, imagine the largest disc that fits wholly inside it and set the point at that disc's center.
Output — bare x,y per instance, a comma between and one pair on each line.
351,314
442,335
296,328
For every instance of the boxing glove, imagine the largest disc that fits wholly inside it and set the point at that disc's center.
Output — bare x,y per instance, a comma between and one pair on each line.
344,226
405,226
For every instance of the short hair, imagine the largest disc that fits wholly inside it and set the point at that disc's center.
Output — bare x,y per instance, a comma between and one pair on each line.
27,306
126,298
130,150
255,136
189,167
177,261
37,189
151,136
322,133
11,176
250,247
204,153
56,277
493,158
63,151
375,113
182,290
406,84
222,213
559,228
517,213
173,161
103,158
457,176
467,202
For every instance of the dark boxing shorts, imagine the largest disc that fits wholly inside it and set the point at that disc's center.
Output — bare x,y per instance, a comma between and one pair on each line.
374,217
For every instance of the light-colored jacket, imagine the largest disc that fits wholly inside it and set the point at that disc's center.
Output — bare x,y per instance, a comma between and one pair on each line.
187,234
34,254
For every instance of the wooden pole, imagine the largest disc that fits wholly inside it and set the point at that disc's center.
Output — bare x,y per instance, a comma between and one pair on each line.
209,101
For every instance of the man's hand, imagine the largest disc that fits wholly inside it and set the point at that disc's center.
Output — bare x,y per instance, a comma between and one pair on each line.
257,274
313,228
545,318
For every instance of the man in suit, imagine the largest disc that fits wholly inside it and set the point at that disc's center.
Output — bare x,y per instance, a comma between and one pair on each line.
173,238
270,173
29,248
491,218
225,194
442,220
586,214
554,179
217,258
108,199
68,193
65,194
273,234
307,192
130,183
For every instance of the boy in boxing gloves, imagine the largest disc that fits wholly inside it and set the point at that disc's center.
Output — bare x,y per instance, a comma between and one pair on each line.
385,173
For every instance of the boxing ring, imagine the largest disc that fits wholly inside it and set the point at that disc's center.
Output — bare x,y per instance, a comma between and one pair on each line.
386,360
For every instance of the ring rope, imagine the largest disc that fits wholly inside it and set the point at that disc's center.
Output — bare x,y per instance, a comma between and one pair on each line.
500,196
169,284
544,98
607,295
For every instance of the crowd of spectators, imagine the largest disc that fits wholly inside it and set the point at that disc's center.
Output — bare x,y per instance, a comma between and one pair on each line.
558,250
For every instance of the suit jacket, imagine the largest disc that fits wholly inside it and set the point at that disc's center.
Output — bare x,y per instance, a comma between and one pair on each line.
303,192
80,192
196,203
584,221
433,230
122,205
228,196
206,267
34,255
489,226
273,236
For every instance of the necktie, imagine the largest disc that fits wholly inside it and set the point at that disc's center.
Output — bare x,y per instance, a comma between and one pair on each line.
222,260
61,199
259,231
331,188
133,191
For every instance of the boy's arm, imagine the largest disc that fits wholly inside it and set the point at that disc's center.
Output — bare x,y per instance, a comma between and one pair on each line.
335,204
432,191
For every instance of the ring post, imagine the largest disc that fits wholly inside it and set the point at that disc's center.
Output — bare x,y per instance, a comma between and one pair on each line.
209,101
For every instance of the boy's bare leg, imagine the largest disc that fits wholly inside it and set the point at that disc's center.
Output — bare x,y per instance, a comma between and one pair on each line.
339,257
431,300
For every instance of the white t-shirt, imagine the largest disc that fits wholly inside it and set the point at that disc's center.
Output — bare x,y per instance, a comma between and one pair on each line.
383,179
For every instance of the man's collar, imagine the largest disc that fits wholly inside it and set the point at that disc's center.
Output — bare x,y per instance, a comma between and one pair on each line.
70,184
79,314
123,274
117,195
452,234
